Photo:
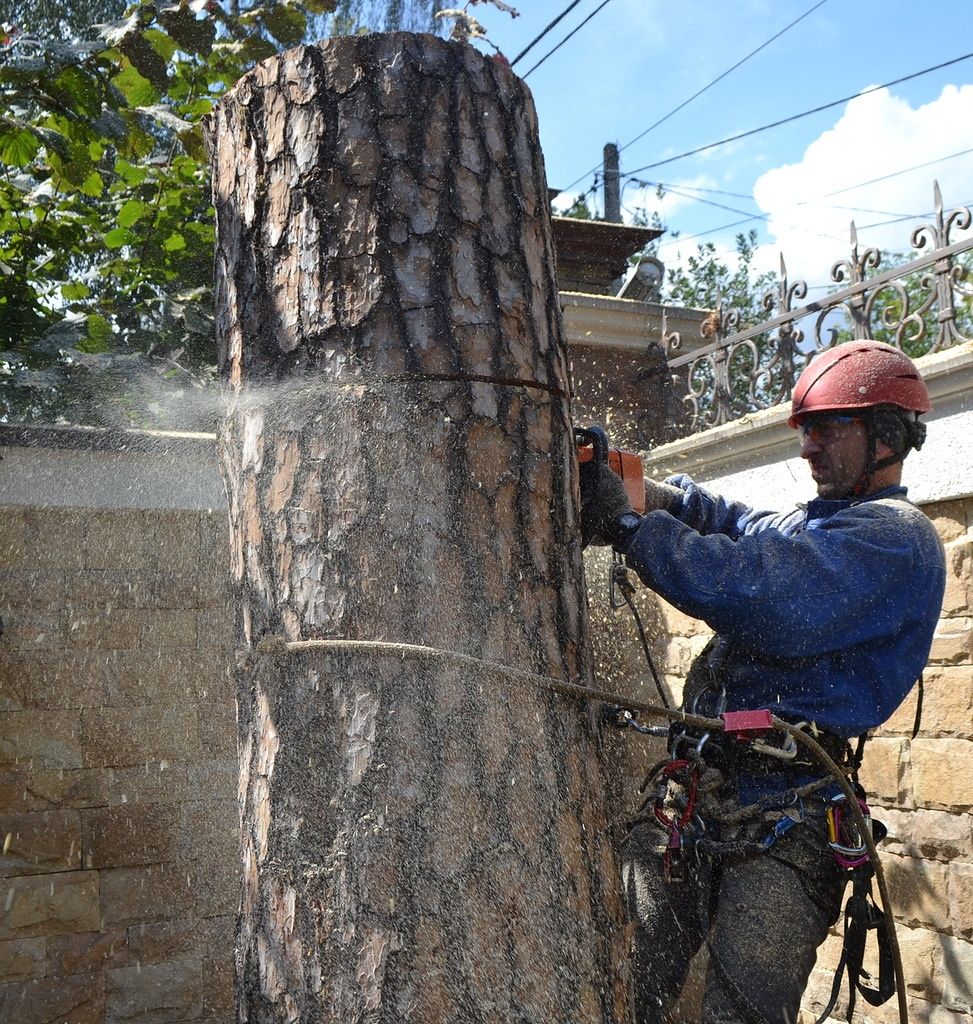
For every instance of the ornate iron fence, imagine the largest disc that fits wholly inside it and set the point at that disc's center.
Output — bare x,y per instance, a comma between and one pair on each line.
923,305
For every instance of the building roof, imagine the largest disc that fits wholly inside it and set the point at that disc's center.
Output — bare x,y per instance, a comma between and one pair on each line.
591,254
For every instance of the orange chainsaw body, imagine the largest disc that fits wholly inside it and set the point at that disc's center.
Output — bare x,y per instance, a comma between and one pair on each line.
625,464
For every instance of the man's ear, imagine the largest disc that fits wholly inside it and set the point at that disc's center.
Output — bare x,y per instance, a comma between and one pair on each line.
882,450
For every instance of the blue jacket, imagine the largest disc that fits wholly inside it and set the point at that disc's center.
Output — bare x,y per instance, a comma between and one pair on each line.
828,611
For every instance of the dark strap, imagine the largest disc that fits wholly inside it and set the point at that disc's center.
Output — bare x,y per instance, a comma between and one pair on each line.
920,683
856,757
862,916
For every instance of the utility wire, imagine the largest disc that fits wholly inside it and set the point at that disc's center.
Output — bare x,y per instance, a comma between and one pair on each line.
806,113
709,202
709,85
809,202
677,191
860,227
751,217
604,3
668,186
894,174
709,231
567,10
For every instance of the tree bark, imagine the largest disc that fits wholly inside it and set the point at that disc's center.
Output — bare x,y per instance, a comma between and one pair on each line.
423,837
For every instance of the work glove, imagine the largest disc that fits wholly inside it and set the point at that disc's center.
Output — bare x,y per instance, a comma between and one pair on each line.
661,497
603,501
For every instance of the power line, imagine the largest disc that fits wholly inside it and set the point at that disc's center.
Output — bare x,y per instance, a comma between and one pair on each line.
710,231
695,188
537,39
675,190
860,227
604,3
806,202
709,85
709,202
806,113
895,174
720,78
751,217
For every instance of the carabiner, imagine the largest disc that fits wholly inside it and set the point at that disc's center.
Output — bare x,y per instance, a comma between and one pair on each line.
848,846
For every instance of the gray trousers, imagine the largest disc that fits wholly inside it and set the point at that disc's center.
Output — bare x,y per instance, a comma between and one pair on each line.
762,916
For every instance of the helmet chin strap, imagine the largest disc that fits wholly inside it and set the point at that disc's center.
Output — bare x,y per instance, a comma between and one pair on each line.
872,464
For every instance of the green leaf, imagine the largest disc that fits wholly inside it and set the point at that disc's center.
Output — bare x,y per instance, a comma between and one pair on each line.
192,143
18,146
78,91
200,108
137,90
99,334
72,169
129,173
138,142
93,185
254,48
118,237
192,35
186,167
75,290
205,231
286,24
137,47
174,242
130,212
161,43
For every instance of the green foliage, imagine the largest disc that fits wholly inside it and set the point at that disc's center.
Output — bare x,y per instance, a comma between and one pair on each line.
579,210
707,280
106,224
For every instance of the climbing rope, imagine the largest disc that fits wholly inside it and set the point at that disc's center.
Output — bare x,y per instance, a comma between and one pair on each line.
277,645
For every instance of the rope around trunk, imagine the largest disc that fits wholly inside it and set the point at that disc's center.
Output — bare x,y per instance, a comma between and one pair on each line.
278,645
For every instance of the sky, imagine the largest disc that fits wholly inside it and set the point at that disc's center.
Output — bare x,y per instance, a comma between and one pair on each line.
803,183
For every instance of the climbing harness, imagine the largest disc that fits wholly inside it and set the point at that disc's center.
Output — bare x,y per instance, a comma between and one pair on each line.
689,782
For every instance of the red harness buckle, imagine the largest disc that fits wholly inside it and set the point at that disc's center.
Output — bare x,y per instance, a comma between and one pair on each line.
747,725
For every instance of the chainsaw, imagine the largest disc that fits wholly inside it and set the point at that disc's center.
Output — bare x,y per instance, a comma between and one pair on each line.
592,444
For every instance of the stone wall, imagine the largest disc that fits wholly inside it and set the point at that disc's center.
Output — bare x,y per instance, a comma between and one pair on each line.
117,767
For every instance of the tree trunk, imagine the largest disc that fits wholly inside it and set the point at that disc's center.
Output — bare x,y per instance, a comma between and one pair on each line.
424,836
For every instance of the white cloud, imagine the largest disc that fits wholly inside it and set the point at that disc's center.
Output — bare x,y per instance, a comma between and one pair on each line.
877,135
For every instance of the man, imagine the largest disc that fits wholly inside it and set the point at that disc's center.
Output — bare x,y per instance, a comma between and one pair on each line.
823,615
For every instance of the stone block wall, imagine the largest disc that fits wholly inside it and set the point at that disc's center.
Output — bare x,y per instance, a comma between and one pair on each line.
922,789
118,817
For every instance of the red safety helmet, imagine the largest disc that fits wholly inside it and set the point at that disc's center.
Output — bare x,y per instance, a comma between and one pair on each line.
859,375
